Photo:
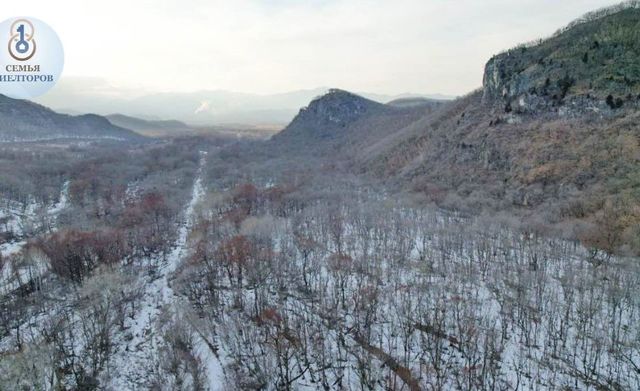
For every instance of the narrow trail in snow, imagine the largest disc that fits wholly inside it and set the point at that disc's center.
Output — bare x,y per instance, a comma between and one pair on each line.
130,367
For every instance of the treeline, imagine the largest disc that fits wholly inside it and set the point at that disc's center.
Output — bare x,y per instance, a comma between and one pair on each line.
33,173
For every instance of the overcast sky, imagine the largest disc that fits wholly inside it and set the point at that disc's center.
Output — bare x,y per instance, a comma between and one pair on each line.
270,46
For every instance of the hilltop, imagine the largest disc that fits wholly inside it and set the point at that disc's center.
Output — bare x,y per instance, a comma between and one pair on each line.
341,121
326,115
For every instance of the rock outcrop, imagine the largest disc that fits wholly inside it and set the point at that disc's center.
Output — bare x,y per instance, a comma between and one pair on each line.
327,115
592,66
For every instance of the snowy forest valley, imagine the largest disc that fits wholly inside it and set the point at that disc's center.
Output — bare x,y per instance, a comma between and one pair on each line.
485,242
204,264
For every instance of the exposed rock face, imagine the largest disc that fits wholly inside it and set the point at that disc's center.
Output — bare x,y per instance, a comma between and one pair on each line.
339,122
21,120
589,67
330,113
500,85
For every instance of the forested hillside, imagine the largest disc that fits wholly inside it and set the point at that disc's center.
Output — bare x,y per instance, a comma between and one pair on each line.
24,121
552,136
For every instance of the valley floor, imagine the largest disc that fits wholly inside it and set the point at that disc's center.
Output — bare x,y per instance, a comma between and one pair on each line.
250,278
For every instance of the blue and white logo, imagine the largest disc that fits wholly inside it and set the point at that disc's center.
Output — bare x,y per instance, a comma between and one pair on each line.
32,60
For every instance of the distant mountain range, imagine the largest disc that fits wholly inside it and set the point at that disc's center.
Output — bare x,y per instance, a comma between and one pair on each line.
24,121
151,128
196,108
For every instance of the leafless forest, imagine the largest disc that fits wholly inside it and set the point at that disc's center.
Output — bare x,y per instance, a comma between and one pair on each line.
488,242
198,264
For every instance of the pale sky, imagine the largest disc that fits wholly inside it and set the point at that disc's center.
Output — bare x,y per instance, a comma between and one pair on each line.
271,46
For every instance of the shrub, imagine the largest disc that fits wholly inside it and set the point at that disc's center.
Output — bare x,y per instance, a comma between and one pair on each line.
74,254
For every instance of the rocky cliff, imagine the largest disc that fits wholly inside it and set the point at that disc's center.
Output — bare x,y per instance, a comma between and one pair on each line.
592,65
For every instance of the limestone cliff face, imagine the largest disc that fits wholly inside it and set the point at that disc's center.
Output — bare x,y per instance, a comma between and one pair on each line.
500,84
593,65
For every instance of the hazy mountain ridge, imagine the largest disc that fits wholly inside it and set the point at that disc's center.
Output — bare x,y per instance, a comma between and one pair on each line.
197,108
417,102
22,120
151,128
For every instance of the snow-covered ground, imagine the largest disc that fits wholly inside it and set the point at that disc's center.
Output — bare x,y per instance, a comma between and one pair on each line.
18,220
435,300
138,346
389,298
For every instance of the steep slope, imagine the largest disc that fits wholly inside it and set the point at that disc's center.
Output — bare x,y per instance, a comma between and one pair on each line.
21,120
150,128
328,115
567,156
591,65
